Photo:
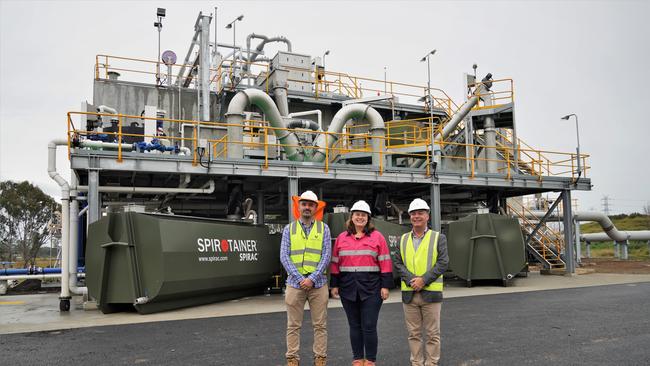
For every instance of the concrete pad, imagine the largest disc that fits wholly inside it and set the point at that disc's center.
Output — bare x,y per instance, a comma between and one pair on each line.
32,313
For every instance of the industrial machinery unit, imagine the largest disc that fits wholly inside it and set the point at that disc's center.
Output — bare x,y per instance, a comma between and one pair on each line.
229,133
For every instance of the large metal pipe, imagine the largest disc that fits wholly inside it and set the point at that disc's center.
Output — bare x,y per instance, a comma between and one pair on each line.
260,47
611,232
74,239
154,190
358,111
317,112
461,113
235,119
65,214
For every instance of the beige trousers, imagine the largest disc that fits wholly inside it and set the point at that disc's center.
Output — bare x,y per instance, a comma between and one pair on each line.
419,314
295,300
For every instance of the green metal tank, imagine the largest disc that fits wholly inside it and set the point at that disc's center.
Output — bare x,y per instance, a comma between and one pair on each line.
486,247
392,232
159,262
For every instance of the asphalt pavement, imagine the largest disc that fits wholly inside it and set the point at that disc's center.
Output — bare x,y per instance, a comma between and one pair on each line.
603,325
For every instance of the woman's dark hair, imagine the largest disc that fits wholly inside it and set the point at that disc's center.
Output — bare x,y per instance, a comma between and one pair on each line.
370,227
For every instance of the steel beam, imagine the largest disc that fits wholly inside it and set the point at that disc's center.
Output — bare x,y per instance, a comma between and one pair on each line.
94,203
292,191
435,206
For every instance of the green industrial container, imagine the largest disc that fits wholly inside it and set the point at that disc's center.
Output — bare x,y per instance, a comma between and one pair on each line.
160,262
486,247
391,231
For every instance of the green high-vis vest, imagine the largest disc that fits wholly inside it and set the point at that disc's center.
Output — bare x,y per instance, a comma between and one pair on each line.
306,250
420,261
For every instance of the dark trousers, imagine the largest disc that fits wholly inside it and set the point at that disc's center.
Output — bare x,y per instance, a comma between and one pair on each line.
362,319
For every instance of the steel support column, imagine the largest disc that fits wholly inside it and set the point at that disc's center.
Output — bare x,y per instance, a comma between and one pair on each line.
292,191
94,203
576,225
435,206
569,244
623,246
588,249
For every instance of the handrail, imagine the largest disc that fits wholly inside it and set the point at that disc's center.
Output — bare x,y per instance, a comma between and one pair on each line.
412,135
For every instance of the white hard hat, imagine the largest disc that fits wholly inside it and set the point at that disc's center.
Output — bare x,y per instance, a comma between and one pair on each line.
361,206
309,196
418,204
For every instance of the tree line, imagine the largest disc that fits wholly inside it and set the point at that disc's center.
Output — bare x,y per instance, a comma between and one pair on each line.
29,218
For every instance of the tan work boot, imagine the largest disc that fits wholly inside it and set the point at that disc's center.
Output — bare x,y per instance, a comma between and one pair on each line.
320,361
293,362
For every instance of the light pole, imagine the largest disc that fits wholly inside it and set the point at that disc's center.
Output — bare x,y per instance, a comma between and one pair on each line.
566,118
427,57
325,54
232,25
160,13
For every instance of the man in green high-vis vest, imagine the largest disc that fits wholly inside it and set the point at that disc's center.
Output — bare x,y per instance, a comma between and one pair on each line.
305,253
421,261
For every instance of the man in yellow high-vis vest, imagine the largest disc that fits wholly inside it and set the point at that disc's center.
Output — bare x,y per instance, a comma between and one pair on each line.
305,253
421,261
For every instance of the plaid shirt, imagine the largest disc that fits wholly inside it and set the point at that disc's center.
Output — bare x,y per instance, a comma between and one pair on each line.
293,276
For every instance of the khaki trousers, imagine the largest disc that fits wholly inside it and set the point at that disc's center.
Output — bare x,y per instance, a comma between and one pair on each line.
420,314
295,300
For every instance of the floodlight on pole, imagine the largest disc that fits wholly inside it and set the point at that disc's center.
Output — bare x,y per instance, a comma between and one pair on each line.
160,13
566,118
427,57
325,54
233,26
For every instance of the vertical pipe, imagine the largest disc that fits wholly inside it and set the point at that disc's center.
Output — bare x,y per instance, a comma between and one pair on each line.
94,208
205,68
74,233
588,249
292,191
435,206
568,233
617,251
65,247
624,251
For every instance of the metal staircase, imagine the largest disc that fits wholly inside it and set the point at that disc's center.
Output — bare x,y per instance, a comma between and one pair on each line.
547,243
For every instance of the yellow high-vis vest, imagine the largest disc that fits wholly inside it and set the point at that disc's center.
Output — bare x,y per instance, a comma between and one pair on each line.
306,250
420,261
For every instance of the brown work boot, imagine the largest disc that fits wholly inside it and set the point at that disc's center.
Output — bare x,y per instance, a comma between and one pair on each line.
293,362
320,361
357,362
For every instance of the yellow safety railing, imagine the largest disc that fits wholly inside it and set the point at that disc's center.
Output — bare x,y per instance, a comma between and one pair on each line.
256,134
141,70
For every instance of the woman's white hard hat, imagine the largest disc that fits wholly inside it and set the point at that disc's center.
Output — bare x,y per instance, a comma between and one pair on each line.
361,206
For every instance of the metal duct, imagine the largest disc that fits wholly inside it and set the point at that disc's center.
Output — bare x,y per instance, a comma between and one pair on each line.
260,47
304,123
611,232
358,111
235,119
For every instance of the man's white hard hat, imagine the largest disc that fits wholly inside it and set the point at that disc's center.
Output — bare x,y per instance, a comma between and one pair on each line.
361,206
418,204
309,196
